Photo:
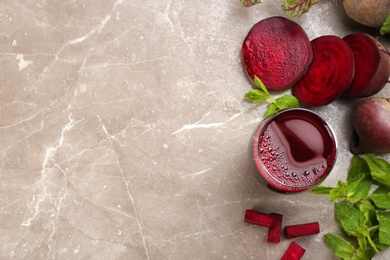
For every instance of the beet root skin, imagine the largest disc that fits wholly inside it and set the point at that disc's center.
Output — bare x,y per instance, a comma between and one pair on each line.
372,13
372,65
371,122
278,51
329,74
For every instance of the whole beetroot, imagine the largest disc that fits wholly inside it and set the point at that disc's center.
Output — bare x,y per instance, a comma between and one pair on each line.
371,121
372,13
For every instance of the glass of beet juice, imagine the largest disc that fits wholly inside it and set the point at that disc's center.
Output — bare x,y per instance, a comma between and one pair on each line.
294,150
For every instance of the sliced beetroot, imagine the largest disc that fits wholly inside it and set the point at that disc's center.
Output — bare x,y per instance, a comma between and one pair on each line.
302,229
372,65
278,51
329,74
258,218
274,232
293,252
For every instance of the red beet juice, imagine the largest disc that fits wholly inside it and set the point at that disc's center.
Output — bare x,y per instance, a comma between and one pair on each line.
294,150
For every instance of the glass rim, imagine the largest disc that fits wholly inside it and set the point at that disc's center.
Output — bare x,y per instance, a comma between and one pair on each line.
271,118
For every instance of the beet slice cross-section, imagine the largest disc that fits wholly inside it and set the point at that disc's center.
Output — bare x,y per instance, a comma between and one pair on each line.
329,74
278,51
372,65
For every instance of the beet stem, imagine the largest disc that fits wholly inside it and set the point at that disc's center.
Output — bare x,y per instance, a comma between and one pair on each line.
382,47
295,6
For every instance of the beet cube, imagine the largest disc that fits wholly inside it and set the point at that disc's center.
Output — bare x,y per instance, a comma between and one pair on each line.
293,252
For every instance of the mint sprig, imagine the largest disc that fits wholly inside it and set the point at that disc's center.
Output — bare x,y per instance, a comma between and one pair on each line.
262,94
362,210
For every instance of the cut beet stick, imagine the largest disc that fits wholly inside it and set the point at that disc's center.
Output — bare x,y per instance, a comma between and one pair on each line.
302,230
278,51
293,252
274,232
258,218
329,74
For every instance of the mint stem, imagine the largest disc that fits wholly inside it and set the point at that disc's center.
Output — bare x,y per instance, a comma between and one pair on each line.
373,228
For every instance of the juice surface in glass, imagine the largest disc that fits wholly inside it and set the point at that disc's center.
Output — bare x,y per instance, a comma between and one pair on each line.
294,150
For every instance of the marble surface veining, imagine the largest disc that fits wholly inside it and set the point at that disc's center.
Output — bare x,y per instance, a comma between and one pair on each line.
124,133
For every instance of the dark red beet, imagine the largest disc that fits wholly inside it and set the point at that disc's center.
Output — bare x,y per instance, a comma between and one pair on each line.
329,74
302,229
278,51
372,66
258,218
371,122
293,252
274,232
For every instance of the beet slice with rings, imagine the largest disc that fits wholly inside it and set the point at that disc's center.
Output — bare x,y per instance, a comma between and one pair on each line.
278,51
329,74
372,65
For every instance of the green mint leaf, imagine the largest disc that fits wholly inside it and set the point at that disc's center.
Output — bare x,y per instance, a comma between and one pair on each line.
380,169
295,8
261,85
365,236
373,246
321,190
379,245
358,168
363,254
256,95
386,26
381,197
384,227
271,109
362,242
339,192
358,190
345,250
286,101
340,247
249,3
349,217
261,94
359,180
368,211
